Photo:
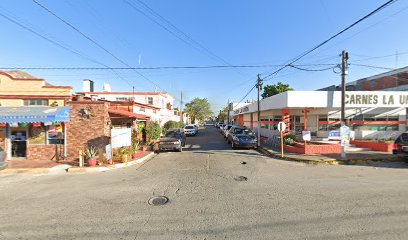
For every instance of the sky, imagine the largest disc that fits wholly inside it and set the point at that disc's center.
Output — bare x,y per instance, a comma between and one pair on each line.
156,33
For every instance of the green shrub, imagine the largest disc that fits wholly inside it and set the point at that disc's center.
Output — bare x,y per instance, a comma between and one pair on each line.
172,124
289,139
153,130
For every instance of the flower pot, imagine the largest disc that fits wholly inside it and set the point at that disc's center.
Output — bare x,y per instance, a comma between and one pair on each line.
134,155
92,162
124,158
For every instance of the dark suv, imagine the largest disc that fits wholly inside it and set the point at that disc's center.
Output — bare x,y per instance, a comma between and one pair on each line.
401,144
241,137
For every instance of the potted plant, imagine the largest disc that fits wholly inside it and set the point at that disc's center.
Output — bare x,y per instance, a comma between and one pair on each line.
101,158
90,154
135,147
123,152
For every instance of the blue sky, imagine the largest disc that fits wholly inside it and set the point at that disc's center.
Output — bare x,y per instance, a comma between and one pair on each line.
240,32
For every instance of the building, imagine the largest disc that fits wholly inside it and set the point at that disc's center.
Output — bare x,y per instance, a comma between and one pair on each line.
33,117
159,106
370,114
395,80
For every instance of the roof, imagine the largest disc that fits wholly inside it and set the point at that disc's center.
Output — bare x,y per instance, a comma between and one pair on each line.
34,114
125,93
127,114
113,103
20,75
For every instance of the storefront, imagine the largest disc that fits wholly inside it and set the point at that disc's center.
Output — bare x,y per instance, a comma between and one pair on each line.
370,114
34,133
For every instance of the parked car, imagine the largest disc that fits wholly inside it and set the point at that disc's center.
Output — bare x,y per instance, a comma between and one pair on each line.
401,144
208,124
173,139
196,127
3,163
190,130
221,125
241,137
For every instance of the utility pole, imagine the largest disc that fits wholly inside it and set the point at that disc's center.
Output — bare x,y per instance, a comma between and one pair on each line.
344,58
228,110
344,72
181,107
259,86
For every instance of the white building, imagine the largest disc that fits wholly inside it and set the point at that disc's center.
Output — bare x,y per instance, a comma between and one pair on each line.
370,114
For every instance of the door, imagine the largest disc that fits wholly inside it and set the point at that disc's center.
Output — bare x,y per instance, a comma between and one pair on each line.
18,142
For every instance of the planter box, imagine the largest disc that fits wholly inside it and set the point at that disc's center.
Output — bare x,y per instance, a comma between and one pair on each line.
313,148
376,146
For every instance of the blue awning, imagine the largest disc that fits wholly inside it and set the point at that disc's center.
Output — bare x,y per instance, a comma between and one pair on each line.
34,114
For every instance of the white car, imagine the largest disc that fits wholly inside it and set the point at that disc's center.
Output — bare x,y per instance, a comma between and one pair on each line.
190,130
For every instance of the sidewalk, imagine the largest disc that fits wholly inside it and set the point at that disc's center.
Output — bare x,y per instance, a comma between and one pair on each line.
352,158
46,166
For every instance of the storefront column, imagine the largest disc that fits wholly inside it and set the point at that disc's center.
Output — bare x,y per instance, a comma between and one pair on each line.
305,111
65,140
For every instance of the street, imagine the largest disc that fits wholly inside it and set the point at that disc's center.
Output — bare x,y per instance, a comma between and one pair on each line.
279,200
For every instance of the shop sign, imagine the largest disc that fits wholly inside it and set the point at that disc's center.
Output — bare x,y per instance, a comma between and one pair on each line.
241,110
306,135
376,99
334,135
108,150
344,135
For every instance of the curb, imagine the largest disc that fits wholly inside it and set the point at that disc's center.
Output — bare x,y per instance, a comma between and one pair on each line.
111,167
77,169
331,161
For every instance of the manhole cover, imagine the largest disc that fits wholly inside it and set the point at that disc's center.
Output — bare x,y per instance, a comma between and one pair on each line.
157,201
240,178
243,163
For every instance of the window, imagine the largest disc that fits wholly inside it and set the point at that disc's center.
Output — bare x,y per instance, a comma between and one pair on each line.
150,100
36,102
121,99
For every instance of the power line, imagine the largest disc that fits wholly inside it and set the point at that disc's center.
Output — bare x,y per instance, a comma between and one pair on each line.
332,37
178,33
92,40
299,67
58,44
370,66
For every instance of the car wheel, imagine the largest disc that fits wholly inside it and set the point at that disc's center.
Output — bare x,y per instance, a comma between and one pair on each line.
180,149
233,145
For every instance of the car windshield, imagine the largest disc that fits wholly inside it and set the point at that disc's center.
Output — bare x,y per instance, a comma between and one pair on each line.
173,134
189,127
243,131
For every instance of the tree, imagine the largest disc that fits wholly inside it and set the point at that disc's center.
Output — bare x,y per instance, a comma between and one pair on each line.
153,130
270,90
198,109
172,124
222,116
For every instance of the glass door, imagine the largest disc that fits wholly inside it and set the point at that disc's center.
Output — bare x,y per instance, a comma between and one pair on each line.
18,142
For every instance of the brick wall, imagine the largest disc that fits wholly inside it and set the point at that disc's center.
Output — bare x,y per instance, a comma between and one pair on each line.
87,130
45,152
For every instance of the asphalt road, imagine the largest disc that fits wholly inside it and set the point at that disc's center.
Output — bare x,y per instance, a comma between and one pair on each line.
279,200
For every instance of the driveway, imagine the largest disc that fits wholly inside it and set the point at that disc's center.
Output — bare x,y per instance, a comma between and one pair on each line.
279,200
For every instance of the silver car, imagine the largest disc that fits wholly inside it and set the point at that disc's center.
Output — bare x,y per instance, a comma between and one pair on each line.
3,163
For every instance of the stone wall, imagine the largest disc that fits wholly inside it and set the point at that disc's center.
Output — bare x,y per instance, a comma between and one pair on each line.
89,126
45,152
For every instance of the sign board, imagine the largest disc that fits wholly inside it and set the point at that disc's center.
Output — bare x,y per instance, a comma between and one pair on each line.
344,135
121,137
281,126
306,135
334,135
108,150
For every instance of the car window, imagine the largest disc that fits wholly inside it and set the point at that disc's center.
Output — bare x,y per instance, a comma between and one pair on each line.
172,134
189,127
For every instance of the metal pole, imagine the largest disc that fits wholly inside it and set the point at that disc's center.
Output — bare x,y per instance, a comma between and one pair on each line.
259,86
181,107
344,58
228,110
281,140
